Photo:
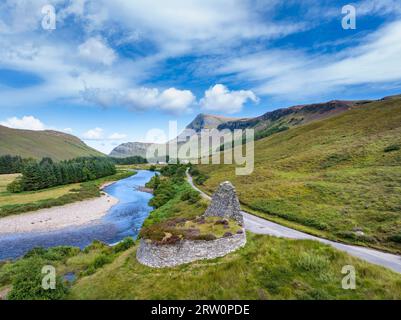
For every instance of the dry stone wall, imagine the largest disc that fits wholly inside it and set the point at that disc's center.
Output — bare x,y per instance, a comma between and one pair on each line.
158,256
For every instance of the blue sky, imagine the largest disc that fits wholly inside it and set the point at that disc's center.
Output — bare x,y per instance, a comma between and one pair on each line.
112,70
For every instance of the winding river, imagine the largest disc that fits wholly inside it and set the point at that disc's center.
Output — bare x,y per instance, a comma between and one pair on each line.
122,220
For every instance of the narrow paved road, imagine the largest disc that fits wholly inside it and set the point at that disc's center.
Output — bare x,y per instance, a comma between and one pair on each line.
261,226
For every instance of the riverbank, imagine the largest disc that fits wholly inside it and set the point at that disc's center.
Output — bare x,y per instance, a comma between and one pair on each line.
79,223
56,218
18,203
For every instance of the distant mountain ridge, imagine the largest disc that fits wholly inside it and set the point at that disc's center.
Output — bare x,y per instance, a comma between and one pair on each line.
296,115
38,144
201,121
129,149
279,119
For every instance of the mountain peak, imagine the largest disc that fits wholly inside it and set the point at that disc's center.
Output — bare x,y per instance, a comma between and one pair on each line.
208,121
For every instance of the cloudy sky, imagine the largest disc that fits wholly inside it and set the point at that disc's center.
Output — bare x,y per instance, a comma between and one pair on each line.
111,70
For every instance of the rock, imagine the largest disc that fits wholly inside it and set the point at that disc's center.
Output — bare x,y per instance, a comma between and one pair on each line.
225,203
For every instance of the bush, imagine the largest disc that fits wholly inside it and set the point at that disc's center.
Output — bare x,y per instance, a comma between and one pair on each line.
200,179
395,238
191,196
95,245
16,186
393,147
162,194
54,254
97,263
124,245
153,183
335,159
193,171
27,284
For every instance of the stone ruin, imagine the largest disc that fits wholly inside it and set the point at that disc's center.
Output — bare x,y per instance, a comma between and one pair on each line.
225,203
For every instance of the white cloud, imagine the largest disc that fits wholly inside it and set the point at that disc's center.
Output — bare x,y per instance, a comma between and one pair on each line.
67,130
219,98
175,100
295,75
95,50
26,122
200,28
97,134
170,100
93,134
117,136
201,24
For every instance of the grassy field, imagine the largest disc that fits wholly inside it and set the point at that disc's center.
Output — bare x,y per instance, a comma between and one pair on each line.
336,177
15,203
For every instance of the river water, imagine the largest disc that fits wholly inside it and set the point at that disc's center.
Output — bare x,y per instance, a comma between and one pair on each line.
122,220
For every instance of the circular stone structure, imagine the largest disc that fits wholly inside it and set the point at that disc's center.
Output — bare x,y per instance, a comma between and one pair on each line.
157,255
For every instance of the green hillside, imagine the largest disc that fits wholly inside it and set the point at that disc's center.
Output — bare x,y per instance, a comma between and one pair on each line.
39,144
339,177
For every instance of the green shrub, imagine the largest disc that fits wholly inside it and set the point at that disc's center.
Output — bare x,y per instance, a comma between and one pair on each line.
54,254
162,194
201,179
16,186
393,147
124,245
191,196
97,263
335,159
153,183
95,245
395,238
193,171
27,284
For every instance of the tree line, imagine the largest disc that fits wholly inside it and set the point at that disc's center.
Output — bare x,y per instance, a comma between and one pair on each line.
12,164
46,173
129,160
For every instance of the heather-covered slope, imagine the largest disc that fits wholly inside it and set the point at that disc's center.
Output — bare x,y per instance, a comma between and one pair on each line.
339,176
